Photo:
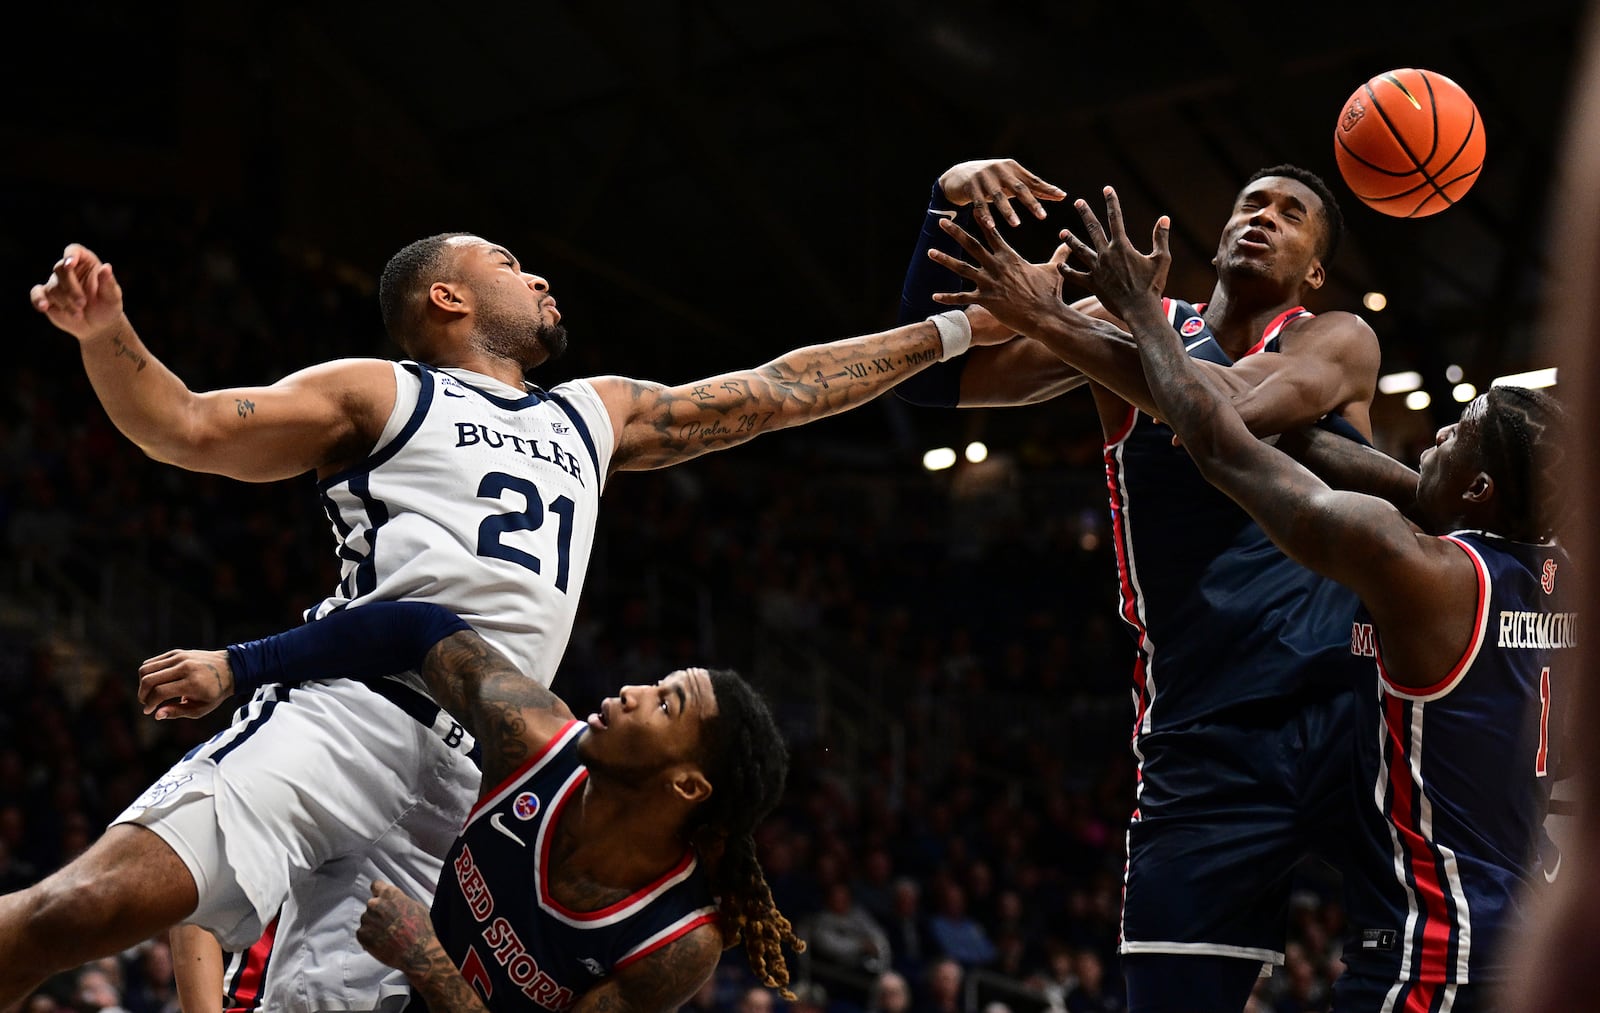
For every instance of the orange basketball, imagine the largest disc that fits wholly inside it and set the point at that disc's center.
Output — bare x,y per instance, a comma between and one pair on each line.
1409,143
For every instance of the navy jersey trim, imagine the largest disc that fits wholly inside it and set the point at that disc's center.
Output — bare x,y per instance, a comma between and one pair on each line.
424,400
377,511
254,724
534,396
583,428
568,733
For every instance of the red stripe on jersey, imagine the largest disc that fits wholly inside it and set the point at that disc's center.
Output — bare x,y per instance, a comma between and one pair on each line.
517,774
705,919
1474,644
1130,603
1273,329
1404,807
247,993
1420,998
638,897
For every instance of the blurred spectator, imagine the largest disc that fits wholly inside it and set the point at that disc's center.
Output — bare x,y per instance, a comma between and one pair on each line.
845,935
911,943
1092,994
890,994
958,934
942,987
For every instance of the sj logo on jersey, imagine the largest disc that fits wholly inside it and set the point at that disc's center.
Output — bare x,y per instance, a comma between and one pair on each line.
1191,327
1547,577
526,806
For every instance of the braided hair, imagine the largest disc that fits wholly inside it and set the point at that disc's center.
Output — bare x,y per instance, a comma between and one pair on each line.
747,763
414,266
1524,450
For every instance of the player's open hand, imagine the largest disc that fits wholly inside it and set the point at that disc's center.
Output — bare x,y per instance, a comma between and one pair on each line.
1119,275
1016,292
185,684
997,181
398,930
82,296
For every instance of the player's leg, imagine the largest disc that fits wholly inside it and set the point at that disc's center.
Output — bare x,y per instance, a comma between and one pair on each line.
1182,983
315,961
128,886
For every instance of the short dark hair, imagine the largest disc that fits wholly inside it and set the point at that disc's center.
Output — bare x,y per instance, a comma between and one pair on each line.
1524,451
403,275
1332,216
745,759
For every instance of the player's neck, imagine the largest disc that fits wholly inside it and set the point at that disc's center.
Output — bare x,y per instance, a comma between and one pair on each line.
1239,318
619,838
496,367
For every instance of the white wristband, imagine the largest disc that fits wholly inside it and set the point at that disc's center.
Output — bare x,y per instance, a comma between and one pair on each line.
955,332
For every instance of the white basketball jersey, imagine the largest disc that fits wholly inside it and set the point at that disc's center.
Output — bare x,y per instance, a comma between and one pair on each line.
478,500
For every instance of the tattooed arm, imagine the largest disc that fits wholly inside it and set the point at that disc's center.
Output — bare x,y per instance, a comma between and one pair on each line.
398,931
662,981
324,417
657,425
510,715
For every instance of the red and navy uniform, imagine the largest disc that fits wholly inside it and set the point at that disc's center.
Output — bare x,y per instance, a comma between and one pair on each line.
1242,695
1456,781
495,915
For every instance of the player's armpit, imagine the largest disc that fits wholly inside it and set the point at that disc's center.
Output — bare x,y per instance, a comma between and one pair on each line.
1328,363
660,982
658,426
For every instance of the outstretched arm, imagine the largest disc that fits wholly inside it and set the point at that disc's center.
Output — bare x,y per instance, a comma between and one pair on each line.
1425,588
323,417
1019,371
658,425
1329,363
511,715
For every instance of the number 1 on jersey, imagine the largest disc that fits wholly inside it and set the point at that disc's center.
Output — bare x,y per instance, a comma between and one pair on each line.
529,519
1541,762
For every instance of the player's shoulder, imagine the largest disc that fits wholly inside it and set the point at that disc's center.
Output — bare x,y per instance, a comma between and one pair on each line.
1334,324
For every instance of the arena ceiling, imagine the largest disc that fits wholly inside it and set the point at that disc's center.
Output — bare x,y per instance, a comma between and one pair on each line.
709,182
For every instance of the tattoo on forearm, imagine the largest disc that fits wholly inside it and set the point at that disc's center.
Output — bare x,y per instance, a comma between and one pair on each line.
485,691
122,351
798,388
245,407
443,986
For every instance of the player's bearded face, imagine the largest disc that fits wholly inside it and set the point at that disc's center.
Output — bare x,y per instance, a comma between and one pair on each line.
520,333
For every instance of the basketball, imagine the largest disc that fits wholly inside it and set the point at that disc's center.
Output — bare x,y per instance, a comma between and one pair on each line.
1409,143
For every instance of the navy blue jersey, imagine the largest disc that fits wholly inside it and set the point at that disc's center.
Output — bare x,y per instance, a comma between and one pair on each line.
494,913
1456,779
1220,616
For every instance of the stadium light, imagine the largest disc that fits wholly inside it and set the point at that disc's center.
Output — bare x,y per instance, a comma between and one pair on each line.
1532,378
1399,383
939,458
1418,400
977,452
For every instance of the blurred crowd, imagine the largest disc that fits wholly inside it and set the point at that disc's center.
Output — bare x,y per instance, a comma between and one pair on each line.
942,648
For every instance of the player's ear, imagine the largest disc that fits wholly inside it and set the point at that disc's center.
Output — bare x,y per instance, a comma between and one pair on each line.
448,297
1481,490
690,785
1316,274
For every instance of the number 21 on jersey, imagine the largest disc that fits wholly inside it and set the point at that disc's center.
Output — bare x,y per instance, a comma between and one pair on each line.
530,518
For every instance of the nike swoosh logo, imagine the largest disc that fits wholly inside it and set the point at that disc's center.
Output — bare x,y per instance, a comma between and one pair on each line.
494,821
1551,874
453,393
942,214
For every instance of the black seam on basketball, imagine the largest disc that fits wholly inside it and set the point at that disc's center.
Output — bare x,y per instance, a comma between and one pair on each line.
1471,127
1374,168
1396,196
1421,166
1413,212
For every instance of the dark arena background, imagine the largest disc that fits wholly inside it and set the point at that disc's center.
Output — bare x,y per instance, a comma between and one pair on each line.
707,185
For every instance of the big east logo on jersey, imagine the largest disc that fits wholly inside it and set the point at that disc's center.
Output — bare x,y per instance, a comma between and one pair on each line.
526,806
1547,577
1192,326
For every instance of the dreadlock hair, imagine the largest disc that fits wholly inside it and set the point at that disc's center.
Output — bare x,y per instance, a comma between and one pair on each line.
746,761
1524,451
417,263
1332,216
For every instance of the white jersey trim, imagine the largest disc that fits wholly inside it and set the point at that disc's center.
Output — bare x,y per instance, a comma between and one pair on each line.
1273,957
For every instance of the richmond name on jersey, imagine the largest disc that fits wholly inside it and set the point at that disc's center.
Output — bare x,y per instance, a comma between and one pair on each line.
478,499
